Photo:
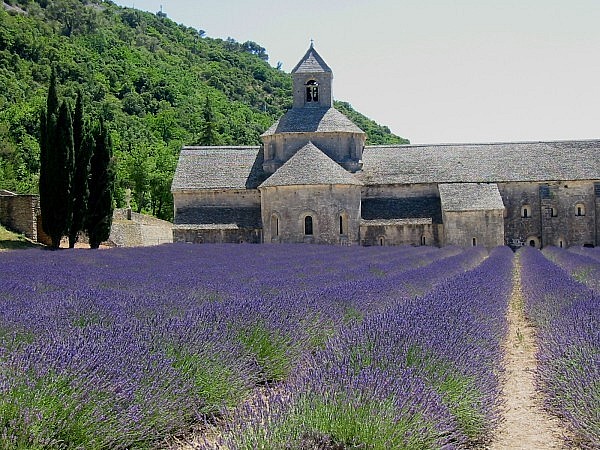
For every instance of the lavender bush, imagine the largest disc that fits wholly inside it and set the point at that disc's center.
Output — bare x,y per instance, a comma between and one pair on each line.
420,373
584,268
568,316
119,348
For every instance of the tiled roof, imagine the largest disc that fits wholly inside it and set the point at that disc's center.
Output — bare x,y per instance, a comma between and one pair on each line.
477,163
218,168
384,222
319,120
242,217
391,208
311,62
470,197
310,166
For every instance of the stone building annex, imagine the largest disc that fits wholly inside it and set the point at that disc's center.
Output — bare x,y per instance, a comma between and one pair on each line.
314,180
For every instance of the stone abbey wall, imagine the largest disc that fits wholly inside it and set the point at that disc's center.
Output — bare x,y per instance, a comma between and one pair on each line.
557,213
284,209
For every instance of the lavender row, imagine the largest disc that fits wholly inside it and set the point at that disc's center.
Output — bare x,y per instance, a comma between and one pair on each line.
583,268
593,252
568,316
420,374
118,348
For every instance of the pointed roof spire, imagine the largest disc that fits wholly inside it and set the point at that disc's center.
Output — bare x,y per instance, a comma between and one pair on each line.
311,62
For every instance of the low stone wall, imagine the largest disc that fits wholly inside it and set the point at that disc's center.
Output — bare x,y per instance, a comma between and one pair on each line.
19,213
131,229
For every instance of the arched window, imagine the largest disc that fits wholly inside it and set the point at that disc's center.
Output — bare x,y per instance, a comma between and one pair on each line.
525,211
423,240
341,224
308,225
474,242
561,243
381,241
312,91
531,243
580,209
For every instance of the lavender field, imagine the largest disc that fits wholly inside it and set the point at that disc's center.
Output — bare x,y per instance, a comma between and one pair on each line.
565,307
283,346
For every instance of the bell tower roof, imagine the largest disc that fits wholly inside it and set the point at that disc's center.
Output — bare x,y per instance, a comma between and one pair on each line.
311,62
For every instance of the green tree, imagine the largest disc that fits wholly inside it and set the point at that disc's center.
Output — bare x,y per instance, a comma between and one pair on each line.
56,165
84,145
208,134
58,161
101,185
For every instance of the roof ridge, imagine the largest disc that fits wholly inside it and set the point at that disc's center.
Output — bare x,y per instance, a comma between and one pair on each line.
472,144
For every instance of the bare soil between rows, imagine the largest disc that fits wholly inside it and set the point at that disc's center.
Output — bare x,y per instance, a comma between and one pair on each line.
525,422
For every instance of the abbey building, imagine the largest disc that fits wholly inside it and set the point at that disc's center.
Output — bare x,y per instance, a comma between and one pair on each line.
315,181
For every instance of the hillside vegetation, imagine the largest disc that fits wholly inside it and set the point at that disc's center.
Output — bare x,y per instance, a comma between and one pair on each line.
157,84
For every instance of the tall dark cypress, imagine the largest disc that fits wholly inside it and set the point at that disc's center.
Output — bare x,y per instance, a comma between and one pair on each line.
101,185
83,147
208,134
48,121
59,165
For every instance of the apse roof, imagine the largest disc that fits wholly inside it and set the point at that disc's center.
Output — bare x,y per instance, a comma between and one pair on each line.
310,166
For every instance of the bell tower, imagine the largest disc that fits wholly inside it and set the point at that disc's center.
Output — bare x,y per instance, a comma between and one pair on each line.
312,82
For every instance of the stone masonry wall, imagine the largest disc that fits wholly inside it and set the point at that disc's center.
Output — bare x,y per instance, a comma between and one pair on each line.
324,203
486,227
400,234
19,213
553,215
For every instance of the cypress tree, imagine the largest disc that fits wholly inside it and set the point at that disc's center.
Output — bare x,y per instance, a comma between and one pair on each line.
83,147
58,176
101,186
208,133
48,120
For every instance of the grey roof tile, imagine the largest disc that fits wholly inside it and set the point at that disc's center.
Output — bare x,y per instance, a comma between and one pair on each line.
218,168
470,197
318,120
481,163
311,62
392,208
310,166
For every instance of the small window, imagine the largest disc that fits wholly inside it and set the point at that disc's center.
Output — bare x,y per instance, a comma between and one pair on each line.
381,241
308,225
312,91
341,224
526,211
553,212
474,242
423,240
580,209
275,225
560,244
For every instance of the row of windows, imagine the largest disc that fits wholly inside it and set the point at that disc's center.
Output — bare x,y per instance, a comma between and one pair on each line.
308,225
526,211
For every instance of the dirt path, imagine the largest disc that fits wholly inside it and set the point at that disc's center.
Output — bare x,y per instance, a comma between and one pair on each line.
526,425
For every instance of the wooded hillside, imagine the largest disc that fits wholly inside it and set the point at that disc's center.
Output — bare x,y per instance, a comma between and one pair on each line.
158,85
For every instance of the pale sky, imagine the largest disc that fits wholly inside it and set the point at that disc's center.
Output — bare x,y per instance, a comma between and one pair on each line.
433,71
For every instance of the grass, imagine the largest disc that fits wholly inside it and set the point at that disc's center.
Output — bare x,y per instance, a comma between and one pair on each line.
343,422
14,241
